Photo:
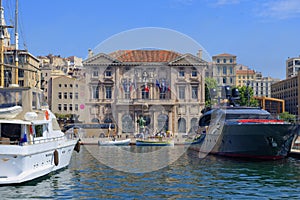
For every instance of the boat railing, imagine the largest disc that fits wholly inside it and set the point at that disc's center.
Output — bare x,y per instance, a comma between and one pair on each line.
7,141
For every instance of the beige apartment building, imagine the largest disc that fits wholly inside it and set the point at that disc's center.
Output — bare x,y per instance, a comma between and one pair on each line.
53,66
288,90
244,75
67,95
224,69
27,74
261,85
166,88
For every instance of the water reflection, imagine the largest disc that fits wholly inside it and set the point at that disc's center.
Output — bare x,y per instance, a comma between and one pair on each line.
187,177
135,159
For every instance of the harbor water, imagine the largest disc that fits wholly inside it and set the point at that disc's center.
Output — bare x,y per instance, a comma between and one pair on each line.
91,175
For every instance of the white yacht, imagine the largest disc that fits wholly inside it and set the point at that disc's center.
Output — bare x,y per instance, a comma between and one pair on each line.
31,142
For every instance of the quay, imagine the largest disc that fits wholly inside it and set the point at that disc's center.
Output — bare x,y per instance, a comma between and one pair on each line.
295,150
178,140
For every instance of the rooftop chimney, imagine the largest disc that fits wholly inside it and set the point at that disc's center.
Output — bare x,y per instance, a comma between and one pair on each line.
90,54
199,54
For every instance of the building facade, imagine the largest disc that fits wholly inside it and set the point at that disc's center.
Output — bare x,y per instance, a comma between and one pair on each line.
292,66
244,75
54,66
288,90
224,69
165,88
262,85
66,96
26,74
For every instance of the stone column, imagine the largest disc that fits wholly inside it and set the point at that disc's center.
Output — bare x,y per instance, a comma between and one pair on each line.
170,125
119,122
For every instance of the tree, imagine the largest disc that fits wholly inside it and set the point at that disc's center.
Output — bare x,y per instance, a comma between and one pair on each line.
210,89
287,117
246,97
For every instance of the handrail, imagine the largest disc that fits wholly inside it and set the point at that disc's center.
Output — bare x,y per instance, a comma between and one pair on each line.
37,140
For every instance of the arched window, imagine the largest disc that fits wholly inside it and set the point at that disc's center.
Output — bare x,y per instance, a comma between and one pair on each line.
95,120
181,125
127,124
162,123
108,120
194,125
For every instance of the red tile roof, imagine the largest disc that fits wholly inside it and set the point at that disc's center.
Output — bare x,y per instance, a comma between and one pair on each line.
145,55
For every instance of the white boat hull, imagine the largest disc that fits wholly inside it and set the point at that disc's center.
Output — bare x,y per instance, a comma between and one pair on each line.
24,163
114,143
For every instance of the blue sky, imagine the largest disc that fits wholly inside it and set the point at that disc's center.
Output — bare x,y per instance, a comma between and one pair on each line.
261,33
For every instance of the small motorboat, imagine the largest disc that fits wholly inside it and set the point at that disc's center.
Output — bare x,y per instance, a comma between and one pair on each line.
154,142
114,142
194,140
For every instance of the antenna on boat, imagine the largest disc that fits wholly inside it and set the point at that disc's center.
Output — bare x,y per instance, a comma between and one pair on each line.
3,26
16,45
232,95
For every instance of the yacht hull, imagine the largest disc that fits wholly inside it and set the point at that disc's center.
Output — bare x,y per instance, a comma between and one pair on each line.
258,141
19,164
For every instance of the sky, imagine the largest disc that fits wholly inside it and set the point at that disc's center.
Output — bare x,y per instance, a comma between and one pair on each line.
261,33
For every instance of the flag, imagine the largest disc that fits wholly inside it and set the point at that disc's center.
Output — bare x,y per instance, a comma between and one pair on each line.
163,86
130,87
135,87
127,87
157,83
146,88
24,138
168,86
124,86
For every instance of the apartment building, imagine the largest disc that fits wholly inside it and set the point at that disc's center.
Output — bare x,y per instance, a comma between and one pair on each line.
224,69
26,74
244,75
292,66
67,95
288,90
166,88
262,85
53,66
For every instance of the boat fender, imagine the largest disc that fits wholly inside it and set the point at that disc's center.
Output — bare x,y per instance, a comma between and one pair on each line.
47,115
77,147
30,129
56,160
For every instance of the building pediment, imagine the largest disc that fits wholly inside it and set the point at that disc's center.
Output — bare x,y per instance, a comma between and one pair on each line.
100,59
188,59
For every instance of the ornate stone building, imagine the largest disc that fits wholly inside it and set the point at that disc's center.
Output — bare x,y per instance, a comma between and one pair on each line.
166,88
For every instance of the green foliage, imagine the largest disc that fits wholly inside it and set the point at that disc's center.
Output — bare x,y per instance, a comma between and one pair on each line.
210,84
63,116
287,117
246,100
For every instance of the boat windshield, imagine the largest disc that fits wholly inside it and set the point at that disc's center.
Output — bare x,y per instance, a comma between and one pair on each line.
246,116
10,98
27,97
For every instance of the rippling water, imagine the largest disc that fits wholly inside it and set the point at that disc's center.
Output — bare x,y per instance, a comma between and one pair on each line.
186,177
